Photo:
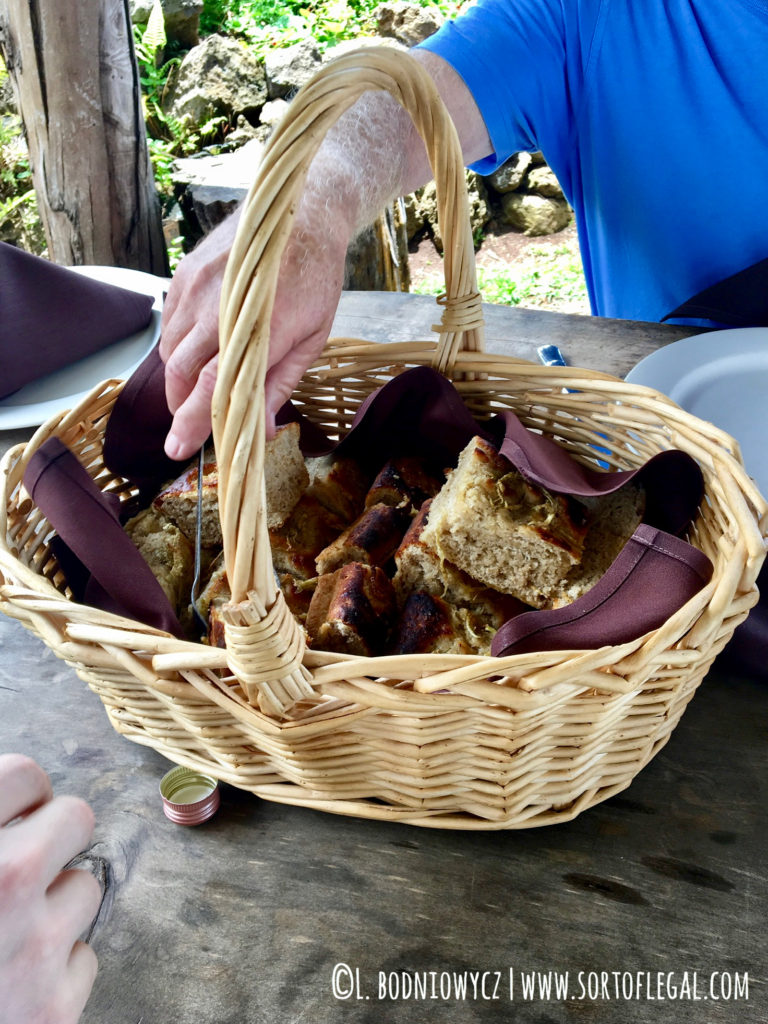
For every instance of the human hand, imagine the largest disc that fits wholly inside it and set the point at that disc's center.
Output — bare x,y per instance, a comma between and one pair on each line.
46,974
312,268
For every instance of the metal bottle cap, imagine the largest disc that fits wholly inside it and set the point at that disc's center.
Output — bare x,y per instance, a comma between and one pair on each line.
189,797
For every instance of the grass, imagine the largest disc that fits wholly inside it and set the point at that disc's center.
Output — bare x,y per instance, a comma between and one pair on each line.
549,277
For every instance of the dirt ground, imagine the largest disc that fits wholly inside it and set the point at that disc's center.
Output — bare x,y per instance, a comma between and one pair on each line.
501,247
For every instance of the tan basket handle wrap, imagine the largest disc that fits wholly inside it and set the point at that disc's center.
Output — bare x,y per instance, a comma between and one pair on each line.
251,279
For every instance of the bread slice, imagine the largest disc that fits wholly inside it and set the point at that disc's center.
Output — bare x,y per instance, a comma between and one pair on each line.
285,474
507,533
421,570
168,553
372,538
299,540
405,480
611,521
352,611
339,484
178,503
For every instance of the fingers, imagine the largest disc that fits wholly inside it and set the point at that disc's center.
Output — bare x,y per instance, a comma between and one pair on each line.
23,786
76,985
74,898
185,363
192,420
44,842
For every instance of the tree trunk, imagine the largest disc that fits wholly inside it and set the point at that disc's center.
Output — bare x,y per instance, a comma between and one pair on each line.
75,78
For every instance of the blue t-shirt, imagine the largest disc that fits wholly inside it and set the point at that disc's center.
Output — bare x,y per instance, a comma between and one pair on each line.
653,114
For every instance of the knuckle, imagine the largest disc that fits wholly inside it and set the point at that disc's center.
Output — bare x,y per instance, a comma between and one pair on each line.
19,766
79,814
21,873
207,379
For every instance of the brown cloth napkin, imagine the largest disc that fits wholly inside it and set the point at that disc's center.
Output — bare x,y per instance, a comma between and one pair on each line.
102,565
50,317
417,411
653,575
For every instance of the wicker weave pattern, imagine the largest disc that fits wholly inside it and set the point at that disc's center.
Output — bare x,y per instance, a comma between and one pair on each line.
439,740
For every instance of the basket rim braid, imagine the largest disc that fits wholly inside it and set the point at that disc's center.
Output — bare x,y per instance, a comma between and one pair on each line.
449,741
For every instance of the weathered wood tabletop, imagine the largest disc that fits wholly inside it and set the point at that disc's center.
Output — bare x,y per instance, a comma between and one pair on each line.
653,903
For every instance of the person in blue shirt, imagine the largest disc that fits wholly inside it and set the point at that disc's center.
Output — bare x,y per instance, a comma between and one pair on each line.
651,113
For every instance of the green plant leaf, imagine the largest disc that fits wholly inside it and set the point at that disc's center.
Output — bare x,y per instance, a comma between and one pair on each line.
154,34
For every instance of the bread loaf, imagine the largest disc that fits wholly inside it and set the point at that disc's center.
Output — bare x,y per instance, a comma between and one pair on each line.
167,552
404,481
285,480
372,538
428,625
420,569
352,611
285,474
611,521
308,529
509,534
339,484
178,503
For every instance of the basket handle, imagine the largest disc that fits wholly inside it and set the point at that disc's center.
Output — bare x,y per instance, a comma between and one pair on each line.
248,293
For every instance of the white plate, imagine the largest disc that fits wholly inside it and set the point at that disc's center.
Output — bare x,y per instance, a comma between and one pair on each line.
721,376
35,403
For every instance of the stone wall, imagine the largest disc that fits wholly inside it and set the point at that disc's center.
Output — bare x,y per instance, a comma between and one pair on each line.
219,77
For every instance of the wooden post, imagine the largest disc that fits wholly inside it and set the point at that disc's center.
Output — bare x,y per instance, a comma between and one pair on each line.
74,73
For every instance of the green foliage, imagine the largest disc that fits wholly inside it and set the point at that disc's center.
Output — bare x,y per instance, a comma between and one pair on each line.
19,221
267,24
167,136
549,276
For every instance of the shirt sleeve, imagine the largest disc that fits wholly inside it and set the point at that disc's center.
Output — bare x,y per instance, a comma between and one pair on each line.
512,56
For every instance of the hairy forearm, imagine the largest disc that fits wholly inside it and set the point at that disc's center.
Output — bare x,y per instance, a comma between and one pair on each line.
374,153
370,156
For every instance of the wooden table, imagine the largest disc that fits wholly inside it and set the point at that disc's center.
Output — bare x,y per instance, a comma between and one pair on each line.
245,919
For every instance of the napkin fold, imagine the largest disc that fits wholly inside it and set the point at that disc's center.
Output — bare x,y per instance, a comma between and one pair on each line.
654,574
50,317
102,564
740,300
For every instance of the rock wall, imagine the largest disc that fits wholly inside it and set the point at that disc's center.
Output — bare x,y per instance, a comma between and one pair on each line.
220,77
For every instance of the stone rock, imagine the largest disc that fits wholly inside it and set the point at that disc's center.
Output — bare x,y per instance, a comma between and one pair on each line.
243,132
220,77
535,215
543,182
479,207
511,175
226,170
414,218
273,112
408,23
210,204
290,67
182,18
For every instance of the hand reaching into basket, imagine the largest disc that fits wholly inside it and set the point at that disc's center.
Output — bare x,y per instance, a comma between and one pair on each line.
371,155
312,267
46,974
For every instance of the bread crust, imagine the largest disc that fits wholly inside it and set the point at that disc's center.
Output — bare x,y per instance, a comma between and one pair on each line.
352,611
372,538
507,533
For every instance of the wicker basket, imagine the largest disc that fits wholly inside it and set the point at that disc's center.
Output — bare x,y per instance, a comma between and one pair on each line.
446,741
